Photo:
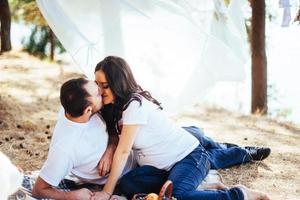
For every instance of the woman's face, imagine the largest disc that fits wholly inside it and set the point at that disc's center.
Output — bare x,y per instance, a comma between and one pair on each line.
107,95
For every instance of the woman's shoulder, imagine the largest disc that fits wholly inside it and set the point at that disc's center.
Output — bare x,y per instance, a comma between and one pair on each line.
139,102
134,103
134,100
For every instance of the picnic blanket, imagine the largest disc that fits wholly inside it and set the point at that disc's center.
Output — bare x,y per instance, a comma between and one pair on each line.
72,183
68,184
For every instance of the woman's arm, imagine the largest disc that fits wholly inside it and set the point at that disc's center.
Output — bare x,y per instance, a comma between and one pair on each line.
124,147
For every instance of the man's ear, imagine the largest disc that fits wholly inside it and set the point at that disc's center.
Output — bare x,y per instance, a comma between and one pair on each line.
88,110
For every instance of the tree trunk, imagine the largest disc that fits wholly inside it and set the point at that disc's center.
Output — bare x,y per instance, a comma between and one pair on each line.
5,25
259,59
52,44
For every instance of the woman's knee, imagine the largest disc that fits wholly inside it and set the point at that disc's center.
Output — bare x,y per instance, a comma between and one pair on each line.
125,183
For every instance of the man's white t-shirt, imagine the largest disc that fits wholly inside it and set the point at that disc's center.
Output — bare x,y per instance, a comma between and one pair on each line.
76,148
159,142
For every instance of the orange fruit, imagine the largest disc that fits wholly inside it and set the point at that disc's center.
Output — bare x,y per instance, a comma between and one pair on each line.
152,196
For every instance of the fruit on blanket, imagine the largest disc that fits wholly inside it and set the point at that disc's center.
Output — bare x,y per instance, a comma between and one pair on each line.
152,196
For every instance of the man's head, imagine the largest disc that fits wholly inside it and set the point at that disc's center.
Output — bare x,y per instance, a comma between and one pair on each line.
80,97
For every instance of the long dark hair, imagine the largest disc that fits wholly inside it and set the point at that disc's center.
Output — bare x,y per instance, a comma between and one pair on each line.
122,84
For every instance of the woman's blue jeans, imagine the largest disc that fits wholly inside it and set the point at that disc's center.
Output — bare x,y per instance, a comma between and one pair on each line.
186,174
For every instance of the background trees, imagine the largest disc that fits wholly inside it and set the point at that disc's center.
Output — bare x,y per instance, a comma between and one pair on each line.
41,42
5,21
259,59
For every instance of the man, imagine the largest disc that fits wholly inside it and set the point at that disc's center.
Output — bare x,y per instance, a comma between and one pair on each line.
79,141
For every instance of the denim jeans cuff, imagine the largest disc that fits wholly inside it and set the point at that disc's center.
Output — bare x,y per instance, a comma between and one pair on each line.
236,193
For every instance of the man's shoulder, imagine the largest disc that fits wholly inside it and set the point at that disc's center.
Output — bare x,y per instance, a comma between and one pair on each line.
64,128
66,131
65,135
98,121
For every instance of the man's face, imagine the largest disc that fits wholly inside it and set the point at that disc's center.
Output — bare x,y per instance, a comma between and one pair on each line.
95,98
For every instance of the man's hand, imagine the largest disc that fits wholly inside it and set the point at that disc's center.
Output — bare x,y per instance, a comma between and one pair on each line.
82,194
101,196
105,162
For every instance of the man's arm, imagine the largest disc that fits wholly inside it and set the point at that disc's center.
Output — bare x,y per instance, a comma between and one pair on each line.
42,189
56,167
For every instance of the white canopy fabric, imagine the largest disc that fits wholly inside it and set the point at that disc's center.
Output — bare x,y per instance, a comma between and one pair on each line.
177,49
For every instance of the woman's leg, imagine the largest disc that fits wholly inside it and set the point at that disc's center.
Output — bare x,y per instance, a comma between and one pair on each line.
227,194
235,193
188,173
250,194
205,141
145,179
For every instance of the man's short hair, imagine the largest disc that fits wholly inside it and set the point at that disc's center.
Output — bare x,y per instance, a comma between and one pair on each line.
73,96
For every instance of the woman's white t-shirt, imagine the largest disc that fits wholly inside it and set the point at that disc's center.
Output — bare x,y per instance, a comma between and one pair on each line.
159,142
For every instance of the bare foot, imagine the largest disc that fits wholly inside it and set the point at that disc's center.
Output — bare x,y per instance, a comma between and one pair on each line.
212,186
250,194
116,197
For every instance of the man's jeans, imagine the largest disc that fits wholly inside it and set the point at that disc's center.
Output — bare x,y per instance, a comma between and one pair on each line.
220,156
188,173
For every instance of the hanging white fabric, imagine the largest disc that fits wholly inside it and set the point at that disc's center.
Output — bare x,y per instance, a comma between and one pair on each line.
286,18
177,49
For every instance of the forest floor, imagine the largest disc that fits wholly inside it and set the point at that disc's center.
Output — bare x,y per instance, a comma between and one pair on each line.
29,104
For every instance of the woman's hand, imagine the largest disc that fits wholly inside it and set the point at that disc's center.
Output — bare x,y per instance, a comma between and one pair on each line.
82,194
105,162
101,196
124,147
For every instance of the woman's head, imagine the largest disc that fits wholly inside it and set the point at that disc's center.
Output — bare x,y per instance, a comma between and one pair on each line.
119,87
116,80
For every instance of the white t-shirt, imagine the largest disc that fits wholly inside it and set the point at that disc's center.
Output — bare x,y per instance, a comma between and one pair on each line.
76,148
159,142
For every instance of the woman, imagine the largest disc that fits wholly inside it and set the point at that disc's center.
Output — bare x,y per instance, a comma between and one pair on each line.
164,151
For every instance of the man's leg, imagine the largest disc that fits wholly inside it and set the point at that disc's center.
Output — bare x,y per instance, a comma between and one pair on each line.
205,141
145,179
219,155
224,158
188,173
227,155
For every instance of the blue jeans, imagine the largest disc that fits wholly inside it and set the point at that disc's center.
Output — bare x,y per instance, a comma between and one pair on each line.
220,157
186,174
